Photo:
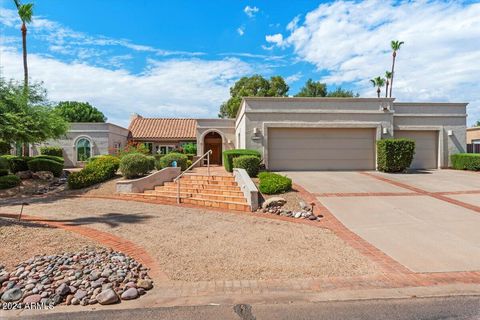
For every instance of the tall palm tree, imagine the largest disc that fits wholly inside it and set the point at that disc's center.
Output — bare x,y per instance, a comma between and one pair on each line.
395,44
378,82
25,12
388,76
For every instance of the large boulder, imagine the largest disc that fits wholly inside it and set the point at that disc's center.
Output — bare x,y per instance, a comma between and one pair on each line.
107,297
11,295
274,202
24,174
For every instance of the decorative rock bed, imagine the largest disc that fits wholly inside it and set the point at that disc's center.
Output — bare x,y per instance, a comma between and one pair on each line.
275,205
83,278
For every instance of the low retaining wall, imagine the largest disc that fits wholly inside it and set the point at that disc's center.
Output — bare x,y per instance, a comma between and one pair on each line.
149,182
247,186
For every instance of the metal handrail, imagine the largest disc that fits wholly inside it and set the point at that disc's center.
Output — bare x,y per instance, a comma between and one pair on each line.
177,179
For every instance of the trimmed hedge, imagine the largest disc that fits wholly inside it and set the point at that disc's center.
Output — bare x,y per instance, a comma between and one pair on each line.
134,165
151,162
272,183
9,181
3,172
249,163
166,161
466,161
53,158
16,164
51,151
4,163
40,164
102,169
395,155
229,155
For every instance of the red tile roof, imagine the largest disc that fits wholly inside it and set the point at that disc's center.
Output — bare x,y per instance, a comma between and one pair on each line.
162,128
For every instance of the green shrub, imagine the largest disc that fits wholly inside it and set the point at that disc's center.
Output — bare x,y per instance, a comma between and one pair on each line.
190,148
51,151
3,163
395,155
9,181
249,163
272,183
229,155
134,165
102,169
466,161
40,164
151,162
53,158
189,163
16,164
3,172
5,147
166,161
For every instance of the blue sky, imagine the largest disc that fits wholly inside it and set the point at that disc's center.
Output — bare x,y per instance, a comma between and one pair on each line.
178,58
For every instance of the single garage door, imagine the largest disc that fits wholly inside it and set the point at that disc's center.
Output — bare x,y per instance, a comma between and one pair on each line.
426,147
321,149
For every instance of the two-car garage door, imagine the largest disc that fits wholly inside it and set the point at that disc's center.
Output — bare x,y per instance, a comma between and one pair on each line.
321,149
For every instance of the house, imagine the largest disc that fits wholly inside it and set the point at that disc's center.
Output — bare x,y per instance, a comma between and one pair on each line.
473,139
294,133
84,140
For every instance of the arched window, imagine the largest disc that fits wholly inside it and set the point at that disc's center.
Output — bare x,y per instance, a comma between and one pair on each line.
83,149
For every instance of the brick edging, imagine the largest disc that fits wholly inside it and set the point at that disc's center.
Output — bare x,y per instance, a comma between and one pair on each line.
105,238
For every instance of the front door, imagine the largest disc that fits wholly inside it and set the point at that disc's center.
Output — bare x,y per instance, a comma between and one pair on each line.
215,156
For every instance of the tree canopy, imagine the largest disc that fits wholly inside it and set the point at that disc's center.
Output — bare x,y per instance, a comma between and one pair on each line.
254,86
27,118
319,89
73,111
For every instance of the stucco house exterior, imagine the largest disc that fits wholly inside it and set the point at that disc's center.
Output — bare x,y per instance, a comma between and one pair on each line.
84,140
294,133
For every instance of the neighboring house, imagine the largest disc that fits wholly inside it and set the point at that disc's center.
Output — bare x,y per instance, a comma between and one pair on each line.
293,133
473,139
84,140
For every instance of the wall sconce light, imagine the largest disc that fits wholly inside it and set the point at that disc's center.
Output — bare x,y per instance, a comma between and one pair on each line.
255,130
450,132
385,130
229,141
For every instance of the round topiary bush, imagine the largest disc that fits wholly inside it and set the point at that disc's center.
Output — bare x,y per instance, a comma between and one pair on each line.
134,165
4,163
9,181
17,164
51,151
3,172
251,164
40,164
272,183
53,158
167,160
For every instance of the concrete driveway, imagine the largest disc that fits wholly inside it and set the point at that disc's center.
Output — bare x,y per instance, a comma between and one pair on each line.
427,221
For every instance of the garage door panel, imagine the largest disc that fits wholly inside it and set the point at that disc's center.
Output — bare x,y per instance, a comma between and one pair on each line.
321,149
426,147
321,144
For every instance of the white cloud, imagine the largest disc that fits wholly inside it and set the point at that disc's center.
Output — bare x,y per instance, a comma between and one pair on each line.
277,39
177,87
350,42
294,77
241,31
251,11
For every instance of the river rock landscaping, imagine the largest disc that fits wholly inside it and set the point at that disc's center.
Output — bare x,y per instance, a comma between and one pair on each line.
275,205
85,277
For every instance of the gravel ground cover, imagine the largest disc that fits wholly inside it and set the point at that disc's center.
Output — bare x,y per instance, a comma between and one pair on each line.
195,244
20,240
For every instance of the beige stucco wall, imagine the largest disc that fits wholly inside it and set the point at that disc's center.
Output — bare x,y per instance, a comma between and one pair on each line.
101,135
473,134
383,114
224,127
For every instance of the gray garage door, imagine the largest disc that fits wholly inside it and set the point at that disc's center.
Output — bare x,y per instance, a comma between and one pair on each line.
321,149
426,147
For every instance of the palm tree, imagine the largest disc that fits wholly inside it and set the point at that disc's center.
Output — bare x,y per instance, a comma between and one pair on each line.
25,12
378,82
395,44
388,76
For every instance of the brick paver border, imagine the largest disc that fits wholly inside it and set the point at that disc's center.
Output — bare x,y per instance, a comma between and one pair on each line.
104,238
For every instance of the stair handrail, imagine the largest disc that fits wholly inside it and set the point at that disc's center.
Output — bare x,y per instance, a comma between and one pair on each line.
177,179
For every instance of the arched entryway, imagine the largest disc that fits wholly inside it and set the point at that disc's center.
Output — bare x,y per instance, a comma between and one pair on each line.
213,141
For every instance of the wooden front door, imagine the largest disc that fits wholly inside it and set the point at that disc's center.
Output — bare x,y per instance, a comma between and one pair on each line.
215,157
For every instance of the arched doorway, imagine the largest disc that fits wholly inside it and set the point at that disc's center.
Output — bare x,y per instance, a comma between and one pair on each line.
84,149
213,141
